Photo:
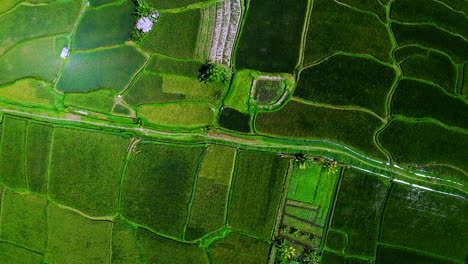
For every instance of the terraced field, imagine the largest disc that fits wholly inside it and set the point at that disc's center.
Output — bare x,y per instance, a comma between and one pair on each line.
339,135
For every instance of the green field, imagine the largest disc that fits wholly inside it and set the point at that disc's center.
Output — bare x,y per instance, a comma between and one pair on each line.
234,120
390,255
15,254
376,7
299,120
101,100
271,27
169,4
347,81
333,258
39,140
360,203
207,213
124,244
238,248
424,143
336,240
420,100
158,185
178,114
110,68
425,220
350,31
105,26
74,167
31,91
162,64
180,31
256,192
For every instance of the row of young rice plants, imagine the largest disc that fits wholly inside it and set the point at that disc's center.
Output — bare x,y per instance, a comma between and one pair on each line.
299,120
343,80
21,24
271,28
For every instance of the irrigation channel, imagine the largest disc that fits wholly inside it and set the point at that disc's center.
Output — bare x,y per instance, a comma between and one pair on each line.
327,149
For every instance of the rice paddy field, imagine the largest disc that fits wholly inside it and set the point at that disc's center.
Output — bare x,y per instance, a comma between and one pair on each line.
330,132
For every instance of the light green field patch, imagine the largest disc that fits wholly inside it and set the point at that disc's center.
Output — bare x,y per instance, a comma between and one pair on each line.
13,254
178,114
31,59
193,90
110,68
35,92
75,239
124,244
24,220
27,22
239,96
101,100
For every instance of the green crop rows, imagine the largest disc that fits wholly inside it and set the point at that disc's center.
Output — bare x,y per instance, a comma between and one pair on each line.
341,131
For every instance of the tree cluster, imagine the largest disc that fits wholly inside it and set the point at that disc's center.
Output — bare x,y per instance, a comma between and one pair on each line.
214,73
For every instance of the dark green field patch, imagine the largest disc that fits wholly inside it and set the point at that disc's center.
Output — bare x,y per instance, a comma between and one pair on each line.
421,11
24,220
425,220
12,154
347,80
105,26
148,89
368,5
391,255
427,65
336,240
237,248
27,22
79,179
160,64
333,258
257,191
430,36
124,244
31,59
351,31
39,140
234,120
420,100
424,143
175,35
357,211
298,120
458,5
158,186
209,204
96,3
75,239
272,28
14,254
157,249
110,68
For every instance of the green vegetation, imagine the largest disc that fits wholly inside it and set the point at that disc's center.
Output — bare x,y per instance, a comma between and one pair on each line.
147,89
75,239
391,255
350,31
97,3
272,28
111,68
178,114
170,4
427,65
210,200
21,24
432,37
368,5
101,100
105,26
234,120
74,166
268,91
161,64
124,245
420,100
175,34
347,80
14,254
238,248
299,120
333,258
421,11
256,192
357,211
12,167
424,143
30,59
336,240
214,73
24,220
158,185
30,91
157,249
439,220
39,140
